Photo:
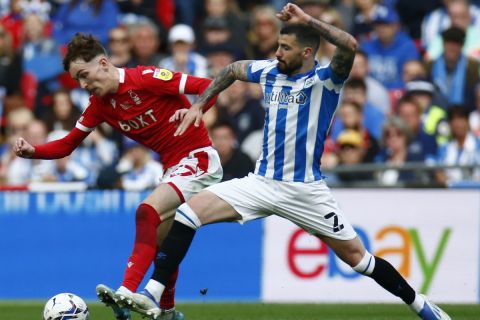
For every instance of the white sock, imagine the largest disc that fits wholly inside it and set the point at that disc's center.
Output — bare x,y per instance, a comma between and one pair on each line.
417,304
155,288
124,290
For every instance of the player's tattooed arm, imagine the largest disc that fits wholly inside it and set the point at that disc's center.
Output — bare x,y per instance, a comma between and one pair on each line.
346,46
234,71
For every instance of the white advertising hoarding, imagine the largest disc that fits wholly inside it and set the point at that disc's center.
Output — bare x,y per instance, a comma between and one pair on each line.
430,236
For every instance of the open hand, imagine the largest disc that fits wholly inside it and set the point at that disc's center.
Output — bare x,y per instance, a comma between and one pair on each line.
192,115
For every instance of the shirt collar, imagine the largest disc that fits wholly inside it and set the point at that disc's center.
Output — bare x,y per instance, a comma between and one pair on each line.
121,75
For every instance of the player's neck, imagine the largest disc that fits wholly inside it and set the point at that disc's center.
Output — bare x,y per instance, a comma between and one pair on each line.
307,66
115,76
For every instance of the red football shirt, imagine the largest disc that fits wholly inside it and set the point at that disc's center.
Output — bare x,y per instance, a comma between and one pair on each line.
146,98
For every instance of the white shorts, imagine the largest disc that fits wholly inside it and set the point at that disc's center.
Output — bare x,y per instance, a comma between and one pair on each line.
200,169
311,206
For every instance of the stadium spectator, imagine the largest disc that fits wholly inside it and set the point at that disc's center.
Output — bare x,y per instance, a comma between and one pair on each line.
42,59
363,20
433,116
219,56
183,58
459,13
395,152
137,169
146,40
63,115
462,149
13,23
474,117
86,16
377,94
454,73
351,115
392,48
355,90
351,152
138,102
160,12
120,47
413,69
19,171
284,184
245,112
264,32
422,145
235,163
10,67
437,21
232,20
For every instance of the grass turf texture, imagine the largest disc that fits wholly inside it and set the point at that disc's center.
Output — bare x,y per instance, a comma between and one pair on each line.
223,311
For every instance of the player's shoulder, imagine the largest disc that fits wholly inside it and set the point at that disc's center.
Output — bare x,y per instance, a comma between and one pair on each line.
257,65
147,73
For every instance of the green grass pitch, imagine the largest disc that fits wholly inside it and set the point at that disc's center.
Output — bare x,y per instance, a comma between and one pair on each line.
256,311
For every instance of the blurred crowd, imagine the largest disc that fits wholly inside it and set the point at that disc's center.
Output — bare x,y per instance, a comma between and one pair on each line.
413,94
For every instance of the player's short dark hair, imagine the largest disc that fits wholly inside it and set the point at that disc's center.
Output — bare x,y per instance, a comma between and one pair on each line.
457,111
82,46
356,83
306,35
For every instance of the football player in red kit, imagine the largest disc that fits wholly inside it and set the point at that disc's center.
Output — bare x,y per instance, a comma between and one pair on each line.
139,102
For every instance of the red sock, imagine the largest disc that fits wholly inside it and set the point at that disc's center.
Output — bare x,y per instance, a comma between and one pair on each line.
144,248
167,301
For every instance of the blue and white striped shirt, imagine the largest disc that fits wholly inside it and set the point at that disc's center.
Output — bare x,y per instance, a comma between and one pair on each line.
299,112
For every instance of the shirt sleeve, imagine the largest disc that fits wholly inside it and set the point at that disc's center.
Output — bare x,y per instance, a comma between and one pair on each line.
90,118
174,83
60,148
255,70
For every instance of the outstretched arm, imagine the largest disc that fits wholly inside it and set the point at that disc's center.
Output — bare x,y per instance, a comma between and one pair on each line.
52,150
346,44
234,71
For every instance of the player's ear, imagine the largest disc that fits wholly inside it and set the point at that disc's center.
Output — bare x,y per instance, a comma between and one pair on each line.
103,62
307,52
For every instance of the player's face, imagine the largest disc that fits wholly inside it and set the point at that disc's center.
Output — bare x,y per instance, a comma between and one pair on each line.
93,76
289,54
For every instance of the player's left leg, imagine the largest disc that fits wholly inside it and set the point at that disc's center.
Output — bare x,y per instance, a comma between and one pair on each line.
354,254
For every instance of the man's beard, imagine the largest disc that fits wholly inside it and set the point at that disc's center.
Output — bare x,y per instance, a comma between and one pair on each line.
289,69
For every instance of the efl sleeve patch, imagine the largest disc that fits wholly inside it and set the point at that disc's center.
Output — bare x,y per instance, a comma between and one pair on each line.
163,74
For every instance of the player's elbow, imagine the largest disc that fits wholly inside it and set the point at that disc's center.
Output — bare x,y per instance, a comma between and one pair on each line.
352,43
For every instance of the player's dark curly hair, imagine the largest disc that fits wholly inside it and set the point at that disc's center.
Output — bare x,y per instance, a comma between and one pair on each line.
306,35
82,46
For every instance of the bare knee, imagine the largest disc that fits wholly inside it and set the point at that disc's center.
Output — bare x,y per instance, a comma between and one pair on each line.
349,251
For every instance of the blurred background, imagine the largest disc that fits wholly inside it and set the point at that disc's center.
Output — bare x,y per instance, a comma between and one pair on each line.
403,149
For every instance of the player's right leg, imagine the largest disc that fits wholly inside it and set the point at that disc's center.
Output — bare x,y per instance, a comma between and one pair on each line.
204,208
158,207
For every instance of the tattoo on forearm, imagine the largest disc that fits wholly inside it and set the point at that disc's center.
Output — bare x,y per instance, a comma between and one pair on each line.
346,46
232,72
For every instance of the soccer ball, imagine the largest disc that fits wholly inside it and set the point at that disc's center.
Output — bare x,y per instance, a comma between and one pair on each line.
65,306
